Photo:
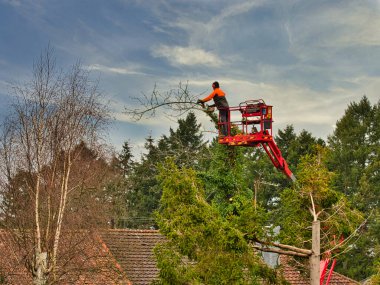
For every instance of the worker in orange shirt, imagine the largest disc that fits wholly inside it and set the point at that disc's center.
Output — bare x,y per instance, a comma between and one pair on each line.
221,103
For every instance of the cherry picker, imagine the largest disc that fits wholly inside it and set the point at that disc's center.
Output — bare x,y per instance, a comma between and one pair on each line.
250,125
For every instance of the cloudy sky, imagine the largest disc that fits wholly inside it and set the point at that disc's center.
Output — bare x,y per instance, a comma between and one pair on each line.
309,59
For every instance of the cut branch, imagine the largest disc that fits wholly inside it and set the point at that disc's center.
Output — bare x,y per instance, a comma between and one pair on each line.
175,101
285,252
289,248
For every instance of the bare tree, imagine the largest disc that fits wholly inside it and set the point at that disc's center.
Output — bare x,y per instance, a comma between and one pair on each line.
53,117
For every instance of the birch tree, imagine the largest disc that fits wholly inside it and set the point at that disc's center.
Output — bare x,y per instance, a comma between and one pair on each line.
52,117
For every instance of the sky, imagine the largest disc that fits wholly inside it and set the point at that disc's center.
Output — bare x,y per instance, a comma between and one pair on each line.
309,59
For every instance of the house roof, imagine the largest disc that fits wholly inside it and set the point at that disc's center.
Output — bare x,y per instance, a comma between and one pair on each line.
133,249
119,256
294,275
84,261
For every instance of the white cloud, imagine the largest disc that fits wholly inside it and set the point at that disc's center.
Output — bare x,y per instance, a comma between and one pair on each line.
360,25
116,70
333,27
187,56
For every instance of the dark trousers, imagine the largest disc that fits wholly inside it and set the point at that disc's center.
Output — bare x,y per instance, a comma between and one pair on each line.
223,115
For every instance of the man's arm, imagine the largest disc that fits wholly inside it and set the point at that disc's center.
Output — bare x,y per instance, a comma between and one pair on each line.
209,97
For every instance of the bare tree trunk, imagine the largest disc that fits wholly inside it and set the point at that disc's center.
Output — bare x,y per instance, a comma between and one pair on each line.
61,212
40,277
315,256
40,260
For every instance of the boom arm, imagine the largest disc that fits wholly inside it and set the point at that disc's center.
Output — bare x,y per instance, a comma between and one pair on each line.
278,161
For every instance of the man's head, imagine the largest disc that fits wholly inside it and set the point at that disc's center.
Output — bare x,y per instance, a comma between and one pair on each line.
215,85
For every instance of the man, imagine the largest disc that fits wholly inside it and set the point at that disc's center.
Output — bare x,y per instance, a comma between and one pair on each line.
221,103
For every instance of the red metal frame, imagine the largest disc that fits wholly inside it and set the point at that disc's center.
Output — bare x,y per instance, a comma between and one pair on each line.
250,124
324,263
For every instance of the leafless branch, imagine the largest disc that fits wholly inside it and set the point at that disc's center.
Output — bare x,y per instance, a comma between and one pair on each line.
174,102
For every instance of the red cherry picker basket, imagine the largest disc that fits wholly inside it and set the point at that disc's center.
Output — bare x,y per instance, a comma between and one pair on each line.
250,125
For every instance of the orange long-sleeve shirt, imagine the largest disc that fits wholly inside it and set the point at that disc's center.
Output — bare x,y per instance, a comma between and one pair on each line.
217,91
219,98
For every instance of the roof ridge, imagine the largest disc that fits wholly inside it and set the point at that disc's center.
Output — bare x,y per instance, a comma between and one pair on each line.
132,230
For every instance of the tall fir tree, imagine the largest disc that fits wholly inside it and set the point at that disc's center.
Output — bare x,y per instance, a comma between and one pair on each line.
355,158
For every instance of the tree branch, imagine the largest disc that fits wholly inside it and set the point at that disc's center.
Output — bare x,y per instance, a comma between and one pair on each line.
175,101
285,252
290,248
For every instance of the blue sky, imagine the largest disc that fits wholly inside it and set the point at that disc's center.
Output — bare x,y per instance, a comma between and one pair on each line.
309,59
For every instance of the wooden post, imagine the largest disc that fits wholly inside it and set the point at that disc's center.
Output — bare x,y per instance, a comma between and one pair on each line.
315,256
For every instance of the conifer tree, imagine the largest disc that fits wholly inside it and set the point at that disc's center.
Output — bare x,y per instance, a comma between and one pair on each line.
204,247
355,158
185,145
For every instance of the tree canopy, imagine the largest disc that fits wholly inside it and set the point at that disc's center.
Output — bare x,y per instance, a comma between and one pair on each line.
240,190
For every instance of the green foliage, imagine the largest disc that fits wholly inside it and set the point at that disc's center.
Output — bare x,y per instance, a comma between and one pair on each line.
185,145
294,146
294,218
365,250
143,191
214,199
338,217
375,279
204,246
314,178
355,158
353,146
173,269
269,181
125,158
225,181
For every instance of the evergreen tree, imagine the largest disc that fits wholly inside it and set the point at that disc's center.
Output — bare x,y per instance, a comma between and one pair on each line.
294,146
285,139
355,157
144,192
352,146
185,145
204,247
125,158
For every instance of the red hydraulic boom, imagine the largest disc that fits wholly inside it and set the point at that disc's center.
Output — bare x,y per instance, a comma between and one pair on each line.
250,124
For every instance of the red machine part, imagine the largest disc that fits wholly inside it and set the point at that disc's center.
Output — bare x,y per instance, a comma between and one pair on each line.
324,263
250,124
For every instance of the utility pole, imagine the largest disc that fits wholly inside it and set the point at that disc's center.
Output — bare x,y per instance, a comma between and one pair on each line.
315,255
